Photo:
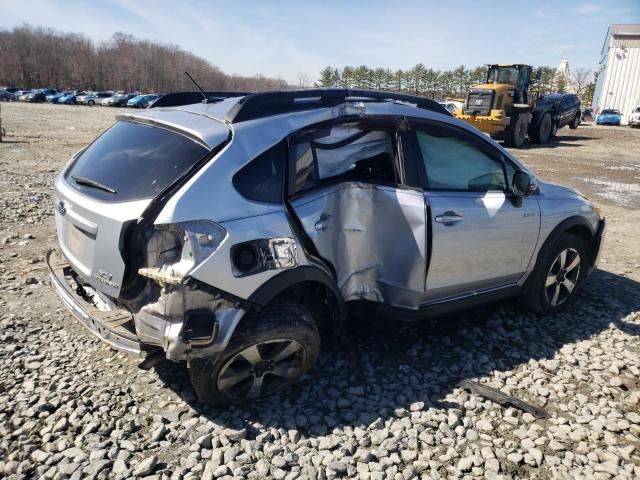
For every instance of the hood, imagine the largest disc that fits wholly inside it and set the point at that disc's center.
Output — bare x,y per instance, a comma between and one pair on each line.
556,190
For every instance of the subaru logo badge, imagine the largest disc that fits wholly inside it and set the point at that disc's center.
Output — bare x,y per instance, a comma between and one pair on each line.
61,208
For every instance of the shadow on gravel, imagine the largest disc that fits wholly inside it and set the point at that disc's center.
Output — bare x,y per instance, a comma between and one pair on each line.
379,372
561,141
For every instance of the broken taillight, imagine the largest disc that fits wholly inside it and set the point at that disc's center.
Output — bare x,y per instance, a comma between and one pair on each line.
174,250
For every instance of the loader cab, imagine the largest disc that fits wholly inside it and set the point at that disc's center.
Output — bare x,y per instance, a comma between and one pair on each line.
517,75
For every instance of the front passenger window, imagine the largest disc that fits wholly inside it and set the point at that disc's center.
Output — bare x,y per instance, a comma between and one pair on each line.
452,163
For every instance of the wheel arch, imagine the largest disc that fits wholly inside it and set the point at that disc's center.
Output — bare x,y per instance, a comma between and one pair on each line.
538,113
310,286
576,225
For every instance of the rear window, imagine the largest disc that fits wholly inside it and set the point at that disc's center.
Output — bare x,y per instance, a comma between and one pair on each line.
133,160
610,112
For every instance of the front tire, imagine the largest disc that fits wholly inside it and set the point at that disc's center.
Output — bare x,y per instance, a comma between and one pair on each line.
542,133
268,351
558,276
516,132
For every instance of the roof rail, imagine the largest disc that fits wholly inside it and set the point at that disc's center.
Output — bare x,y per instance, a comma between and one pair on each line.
177,99
264,104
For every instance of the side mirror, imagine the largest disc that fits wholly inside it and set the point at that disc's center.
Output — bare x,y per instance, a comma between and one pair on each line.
523,184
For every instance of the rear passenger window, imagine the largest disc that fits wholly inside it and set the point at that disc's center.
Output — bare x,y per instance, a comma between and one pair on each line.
348,152
453,163
262,178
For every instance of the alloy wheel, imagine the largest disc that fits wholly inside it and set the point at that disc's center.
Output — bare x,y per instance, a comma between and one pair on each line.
562,277
261,369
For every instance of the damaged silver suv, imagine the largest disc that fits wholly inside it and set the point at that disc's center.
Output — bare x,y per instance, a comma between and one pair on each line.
226,233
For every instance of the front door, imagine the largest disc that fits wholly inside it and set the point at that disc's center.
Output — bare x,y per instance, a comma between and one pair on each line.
347,188
481,239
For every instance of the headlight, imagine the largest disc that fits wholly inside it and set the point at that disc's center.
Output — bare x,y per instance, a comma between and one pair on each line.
174,250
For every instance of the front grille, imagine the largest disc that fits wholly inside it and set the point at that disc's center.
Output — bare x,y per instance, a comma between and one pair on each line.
479,102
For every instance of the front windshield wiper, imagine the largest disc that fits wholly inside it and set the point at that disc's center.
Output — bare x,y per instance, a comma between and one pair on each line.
92,183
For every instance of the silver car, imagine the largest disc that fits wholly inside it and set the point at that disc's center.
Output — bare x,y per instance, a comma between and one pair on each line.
226,233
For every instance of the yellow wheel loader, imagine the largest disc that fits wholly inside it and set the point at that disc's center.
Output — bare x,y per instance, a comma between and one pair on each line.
504,106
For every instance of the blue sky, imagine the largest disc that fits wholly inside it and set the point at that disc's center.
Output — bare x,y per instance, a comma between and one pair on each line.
289,38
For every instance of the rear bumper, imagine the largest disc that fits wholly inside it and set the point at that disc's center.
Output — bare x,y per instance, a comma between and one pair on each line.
107,326
202,331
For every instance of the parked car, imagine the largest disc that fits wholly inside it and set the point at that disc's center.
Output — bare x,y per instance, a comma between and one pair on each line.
7,96
21,93
13,90
587,114
91,98
40,95
634,119
55,98
562,109
118,100
451,105
609,117
180,234
142,101
25,95
70,97
153,101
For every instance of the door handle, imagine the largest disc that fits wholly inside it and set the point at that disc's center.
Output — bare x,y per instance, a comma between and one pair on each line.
321,224
449,218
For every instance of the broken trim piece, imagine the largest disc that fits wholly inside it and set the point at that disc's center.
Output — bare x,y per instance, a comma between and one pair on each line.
501,398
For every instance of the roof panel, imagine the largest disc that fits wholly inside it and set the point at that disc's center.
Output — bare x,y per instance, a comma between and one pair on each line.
625,29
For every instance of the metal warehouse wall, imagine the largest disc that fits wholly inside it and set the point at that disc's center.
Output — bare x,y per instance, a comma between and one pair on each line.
621,78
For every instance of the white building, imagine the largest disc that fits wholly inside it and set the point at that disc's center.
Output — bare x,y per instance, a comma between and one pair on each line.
618,84
563,74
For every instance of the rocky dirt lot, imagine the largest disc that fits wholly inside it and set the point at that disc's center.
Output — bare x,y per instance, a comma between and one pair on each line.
376,405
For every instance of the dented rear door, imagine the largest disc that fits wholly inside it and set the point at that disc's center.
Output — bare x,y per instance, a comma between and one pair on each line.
349,198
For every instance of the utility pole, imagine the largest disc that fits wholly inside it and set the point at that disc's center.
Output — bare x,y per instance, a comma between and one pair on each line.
1,131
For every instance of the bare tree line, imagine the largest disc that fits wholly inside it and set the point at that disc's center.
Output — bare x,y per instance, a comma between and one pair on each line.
437,84
32,57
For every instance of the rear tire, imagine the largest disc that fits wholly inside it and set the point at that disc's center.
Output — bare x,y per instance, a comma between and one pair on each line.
91,103
575,123
268,351
516,132
542,132
557,277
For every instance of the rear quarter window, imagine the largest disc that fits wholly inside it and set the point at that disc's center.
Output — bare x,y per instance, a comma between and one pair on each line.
135,160
262,179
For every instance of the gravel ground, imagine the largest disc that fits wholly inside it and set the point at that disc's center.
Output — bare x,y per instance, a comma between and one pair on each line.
376,405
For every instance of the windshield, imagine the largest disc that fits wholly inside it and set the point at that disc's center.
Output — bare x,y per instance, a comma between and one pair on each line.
508,75
132,161
610,112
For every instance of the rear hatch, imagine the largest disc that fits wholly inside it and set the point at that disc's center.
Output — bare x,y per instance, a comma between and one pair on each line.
108,186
